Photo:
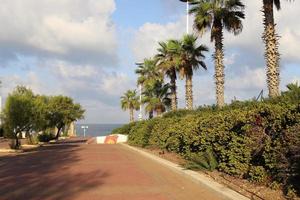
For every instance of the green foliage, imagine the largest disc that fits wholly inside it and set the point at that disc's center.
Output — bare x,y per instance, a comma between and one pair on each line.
1,131
255,140
140,133
61,111
257,174
25,112
46,136
203,160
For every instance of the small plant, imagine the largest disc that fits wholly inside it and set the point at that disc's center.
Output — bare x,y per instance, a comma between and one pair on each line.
203,161
257,174
275,185
46,136
291,192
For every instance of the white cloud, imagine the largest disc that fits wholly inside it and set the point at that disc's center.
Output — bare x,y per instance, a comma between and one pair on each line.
116,84
72,30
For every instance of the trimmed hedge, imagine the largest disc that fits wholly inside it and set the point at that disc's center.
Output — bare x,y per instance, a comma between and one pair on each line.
259,141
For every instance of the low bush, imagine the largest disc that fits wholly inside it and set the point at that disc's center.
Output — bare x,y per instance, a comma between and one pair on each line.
45,136
259,141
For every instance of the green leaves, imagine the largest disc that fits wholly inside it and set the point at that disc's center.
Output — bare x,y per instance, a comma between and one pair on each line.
259,141
25,112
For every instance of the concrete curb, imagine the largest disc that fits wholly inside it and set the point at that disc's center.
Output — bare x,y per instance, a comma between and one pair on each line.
196,177
11,151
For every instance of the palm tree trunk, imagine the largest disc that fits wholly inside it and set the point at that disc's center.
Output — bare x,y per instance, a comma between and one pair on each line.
219,65
189,92
173,92
271,52
131,115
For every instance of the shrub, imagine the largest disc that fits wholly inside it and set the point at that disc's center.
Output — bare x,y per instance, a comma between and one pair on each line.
1,131
257,140
140,133
257,174
203,160
46,136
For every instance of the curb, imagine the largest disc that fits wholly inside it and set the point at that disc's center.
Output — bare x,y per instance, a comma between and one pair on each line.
11,151
196,177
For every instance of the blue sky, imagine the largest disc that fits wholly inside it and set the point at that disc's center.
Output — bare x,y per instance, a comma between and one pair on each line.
88,50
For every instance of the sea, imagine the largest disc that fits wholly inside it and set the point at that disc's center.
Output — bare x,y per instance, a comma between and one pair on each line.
95,129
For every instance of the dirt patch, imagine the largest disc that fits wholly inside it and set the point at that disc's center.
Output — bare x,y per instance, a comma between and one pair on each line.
242,186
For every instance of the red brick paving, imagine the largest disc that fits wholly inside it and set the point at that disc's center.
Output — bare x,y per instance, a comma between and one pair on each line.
87,172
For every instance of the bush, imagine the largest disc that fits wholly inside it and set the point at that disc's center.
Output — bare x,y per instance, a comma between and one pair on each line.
46,136
257,140
140,133
1,131
203,160
257,174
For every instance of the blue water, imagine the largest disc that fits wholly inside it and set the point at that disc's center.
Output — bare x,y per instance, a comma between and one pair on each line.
96,129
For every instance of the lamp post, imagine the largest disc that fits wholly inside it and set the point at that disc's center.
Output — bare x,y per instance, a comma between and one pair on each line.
84,129
187,15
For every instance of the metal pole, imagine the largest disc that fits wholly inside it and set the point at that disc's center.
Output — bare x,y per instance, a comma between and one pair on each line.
187,17
83,132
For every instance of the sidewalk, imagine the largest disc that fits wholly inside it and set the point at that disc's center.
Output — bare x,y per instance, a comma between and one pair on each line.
104,172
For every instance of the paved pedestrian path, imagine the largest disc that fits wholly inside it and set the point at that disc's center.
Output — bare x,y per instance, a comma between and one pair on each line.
87,172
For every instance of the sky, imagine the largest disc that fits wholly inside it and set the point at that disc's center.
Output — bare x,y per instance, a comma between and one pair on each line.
87,49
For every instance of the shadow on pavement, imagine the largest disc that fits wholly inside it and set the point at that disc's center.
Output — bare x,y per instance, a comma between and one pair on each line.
45,174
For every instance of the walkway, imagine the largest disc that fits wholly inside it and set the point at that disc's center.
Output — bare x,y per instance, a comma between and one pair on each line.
87,172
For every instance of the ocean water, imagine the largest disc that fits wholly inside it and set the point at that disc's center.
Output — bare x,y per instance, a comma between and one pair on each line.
96,129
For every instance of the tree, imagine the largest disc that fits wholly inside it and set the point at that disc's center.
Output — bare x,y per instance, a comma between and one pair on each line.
130,101
167,58
292,94
215,15
148,74
19,113
157,98
190,58
62,111
270,39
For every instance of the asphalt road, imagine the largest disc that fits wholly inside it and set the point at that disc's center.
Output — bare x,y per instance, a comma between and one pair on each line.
86,172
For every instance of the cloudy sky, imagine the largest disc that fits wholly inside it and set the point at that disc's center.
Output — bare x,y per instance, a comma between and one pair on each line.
86,49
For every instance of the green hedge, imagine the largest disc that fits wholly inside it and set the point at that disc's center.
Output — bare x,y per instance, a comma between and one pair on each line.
258,141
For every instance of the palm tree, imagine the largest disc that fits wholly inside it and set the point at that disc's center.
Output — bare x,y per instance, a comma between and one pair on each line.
130,101
270,39
215,15
148,74
157,98
292,94
191,57
166,57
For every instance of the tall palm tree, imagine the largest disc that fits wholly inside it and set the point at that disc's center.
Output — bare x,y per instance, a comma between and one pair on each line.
191,57
270,39
148,74
130,101
166,62
215,15
157,98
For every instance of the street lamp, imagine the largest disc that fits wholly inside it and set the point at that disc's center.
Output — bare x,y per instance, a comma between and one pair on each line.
187,15
84,129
